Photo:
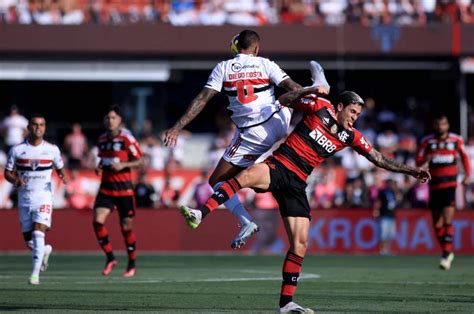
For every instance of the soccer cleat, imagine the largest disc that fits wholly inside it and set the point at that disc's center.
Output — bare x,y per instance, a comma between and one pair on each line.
34,280
317,75
292,307
48,249
108,267
193,216
445,262
129,272
245,232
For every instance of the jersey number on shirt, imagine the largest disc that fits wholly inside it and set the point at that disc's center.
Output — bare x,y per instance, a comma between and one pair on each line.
45,209
245,94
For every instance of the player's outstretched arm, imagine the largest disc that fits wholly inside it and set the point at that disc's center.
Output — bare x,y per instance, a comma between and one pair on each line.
195,107
289,85
382,161
288,98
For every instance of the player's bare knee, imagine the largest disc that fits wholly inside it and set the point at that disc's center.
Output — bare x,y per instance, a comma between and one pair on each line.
299,246
126,224
40,227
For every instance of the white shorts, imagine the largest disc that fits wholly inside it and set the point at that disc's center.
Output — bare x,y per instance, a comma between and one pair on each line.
250,143
387,229
39,212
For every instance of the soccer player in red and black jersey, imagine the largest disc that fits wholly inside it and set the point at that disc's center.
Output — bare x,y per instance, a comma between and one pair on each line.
119,152
323,131
441,150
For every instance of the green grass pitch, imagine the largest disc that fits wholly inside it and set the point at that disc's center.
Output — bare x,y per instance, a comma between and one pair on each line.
238,284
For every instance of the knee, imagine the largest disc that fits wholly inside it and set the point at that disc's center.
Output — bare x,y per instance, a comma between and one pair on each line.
299,246
212,182
126,226
97,225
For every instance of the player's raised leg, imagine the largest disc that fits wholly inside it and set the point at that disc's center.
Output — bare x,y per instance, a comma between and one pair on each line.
317,75
48,250
224,171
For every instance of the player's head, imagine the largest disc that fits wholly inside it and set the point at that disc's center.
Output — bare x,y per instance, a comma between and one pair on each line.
113,119
441,125
36,126
348,109
247,42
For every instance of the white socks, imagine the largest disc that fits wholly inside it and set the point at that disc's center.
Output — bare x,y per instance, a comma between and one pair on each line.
236,208
29,244
38,251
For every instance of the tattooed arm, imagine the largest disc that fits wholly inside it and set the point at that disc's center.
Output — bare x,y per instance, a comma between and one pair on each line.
289,85
199,102
288,98
390,164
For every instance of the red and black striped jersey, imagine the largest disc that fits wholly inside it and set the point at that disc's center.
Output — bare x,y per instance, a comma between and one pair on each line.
121,148
442,155
317,137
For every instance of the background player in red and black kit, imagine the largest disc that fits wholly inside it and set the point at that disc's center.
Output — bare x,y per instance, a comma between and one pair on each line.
323,131
119,153
441,151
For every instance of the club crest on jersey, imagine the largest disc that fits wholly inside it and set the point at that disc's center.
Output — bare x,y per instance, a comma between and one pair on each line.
334,129
343,136
34,163
116,146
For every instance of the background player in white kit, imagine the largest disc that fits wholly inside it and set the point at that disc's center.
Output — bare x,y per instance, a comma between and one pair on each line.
248,81
29,169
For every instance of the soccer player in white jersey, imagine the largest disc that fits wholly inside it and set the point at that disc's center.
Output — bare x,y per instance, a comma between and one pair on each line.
248,80
29,168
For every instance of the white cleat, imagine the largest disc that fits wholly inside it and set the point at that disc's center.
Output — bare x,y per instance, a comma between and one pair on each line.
317,75
245,232
193,216
292,307
48,249
445,262
34,280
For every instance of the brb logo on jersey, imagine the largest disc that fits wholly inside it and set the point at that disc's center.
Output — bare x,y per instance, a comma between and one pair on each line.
322,140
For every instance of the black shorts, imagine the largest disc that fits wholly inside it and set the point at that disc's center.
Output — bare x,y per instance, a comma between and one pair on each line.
441,198
124,204
288,190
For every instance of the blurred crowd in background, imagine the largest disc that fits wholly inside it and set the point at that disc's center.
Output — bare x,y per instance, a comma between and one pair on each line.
235,12
346,180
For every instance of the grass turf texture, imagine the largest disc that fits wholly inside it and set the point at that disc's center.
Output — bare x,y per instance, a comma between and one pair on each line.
236,283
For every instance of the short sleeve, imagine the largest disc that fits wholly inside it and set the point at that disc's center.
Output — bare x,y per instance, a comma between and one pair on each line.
57,159
133,148
275,73
216,79
360,144
10,165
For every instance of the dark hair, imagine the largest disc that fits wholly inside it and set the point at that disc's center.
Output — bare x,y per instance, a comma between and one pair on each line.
115,109
350,98
247,38
440,117
37,115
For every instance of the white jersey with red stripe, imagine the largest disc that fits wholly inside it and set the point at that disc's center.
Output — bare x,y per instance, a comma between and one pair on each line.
249,82
34,164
